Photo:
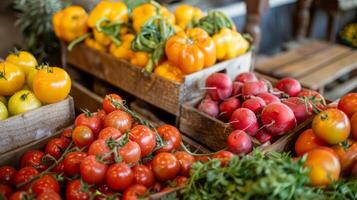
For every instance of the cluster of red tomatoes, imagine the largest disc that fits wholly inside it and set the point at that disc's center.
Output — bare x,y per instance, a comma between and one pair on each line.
330,144
110,153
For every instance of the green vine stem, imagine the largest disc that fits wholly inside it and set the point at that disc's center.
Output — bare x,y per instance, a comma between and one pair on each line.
77,41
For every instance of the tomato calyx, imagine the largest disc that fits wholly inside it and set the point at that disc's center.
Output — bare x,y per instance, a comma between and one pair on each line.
3,74
24,96
345,144
323,117
87,113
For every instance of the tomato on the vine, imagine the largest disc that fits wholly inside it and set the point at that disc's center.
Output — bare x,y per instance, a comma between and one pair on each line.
23,175
19,195
99,148
74,191
109,132
130,153
306,141
92,171
180,181
145,137
67,135
5,191
82,136
91,120
223,156
7,174
56,147
143,175
50,195
171,137
33,158
44,184
186,160
118,119
165,166
107,104
72,162
119,176
134,192
59,168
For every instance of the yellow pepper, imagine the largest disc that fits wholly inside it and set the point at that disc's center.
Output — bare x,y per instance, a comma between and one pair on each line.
113,11
140,59
229,44
94,44
70,23
169,71
101,38
143,12
186,14
123,51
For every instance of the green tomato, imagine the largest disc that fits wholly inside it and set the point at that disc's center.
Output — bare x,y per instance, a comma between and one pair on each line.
3,100
3,111
23,101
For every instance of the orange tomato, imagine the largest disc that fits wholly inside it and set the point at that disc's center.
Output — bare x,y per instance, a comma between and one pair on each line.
332,126
306,142
348,104
354,126
51,84
325,166
191,51
347,153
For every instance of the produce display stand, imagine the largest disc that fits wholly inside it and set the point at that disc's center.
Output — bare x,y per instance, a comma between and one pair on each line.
45,121
163,93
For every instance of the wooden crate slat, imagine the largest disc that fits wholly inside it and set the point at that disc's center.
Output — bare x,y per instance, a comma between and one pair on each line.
84,98
269,64
304,66
342,89
30,126
330,72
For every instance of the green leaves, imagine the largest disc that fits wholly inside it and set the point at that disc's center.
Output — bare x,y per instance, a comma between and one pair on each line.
214,22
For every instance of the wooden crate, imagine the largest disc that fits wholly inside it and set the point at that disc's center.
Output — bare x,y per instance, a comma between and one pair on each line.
163,93
22,129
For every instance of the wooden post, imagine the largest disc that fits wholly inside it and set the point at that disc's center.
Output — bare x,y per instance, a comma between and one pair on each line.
302,18
255,9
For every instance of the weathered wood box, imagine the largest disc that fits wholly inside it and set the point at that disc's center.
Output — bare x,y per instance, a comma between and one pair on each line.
163,93
45,121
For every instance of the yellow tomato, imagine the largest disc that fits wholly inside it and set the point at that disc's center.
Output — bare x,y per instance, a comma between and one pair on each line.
30,76
3,111
23,101
23,59
12,78
51,84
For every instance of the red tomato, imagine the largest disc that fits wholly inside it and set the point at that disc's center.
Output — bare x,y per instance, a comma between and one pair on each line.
5,191
186,160
332,126
20,195
157,187
104,188
72,161
145,137
119,176
165,166
50,195
118,119
143,175
107,104
354,126
90,120
101,114
171,137
101,149
92,171
202,159
59,168
82,136
223,156
56,147
347,154
306,142
33,158
180,181
74,191
348,104
7,174
44,184
130,153
24,175
134,192
109,132
67,135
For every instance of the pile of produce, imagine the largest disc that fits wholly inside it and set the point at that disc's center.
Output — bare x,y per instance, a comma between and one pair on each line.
257,109
148,35
110,154
25,85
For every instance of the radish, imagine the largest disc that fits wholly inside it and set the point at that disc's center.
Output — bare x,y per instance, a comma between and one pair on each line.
255,104
290,86
239,142
268,98
263,136
246,77
219,86
315,98
237,88
253,88
278,118
209,107
302,109
245,119
228,106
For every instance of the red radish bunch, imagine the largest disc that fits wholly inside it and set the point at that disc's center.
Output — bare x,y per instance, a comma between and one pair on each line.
219,86
268,98
254,88
245,119
209,107
239,142
302,109
290,86
246,77
255,104
228,106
